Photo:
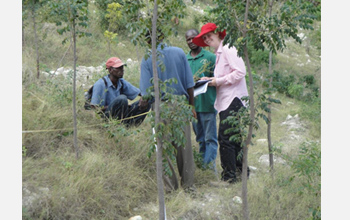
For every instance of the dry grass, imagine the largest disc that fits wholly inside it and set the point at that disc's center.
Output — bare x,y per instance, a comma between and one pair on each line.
114,178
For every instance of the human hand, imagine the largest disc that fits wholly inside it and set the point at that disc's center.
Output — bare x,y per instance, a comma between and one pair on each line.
206,78
143,104
212,82
194,113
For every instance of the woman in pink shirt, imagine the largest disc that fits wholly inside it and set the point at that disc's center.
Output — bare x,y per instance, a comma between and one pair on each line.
230,83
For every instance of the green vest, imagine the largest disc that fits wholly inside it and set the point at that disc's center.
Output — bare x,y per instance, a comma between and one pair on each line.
203,65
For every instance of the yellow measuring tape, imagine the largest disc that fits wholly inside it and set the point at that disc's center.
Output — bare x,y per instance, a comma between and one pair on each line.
64,129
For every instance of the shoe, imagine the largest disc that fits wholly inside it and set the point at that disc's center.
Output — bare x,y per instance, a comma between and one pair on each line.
239,173
233,181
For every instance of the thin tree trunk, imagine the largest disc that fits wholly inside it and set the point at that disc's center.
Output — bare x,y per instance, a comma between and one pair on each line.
109,47
252,117
74,95
137,47
269,117
162,212
248,140
269,114
36,42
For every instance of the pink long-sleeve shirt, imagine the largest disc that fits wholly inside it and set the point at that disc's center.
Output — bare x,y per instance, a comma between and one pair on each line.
230,74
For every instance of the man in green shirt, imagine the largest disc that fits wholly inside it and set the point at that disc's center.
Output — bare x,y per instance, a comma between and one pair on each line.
202,63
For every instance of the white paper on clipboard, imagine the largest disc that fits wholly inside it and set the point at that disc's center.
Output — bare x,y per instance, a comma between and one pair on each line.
202,88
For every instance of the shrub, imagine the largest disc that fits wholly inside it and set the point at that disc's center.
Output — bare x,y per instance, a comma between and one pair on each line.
295,91
307,166
305,179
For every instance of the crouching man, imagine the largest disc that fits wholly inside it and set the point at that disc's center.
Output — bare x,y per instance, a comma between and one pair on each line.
111,94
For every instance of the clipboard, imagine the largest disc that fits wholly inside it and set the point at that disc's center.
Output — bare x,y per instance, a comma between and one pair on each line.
200,87
201,82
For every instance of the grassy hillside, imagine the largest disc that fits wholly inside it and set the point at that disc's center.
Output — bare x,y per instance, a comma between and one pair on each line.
115,178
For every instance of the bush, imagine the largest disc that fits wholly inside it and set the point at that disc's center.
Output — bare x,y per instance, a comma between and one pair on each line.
307,167
294,86
295,91
258,57
305,178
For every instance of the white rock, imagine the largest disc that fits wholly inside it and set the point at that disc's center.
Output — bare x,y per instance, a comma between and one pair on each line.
265,160
137,217
294,136
66,72
91,69
253,169
82,72
99,68
60,70
237,199
261,140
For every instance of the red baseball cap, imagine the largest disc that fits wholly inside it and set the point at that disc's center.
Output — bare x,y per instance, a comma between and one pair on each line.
208,27
114,62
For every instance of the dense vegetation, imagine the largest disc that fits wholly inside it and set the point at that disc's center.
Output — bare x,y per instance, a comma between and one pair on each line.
115,177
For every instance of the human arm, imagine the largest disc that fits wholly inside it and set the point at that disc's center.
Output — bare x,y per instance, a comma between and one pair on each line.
129,90
99,94
190,86
231,68
145,77
190,92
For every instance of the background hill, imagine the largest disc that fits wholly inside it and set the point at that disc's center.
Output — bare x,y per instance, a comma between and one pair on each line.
115,178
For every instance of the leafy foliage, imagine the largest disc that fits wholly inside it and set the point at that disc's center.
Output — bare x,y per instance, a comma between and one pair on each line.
174,115
104,18
139,15
307,171
263,32
303,88
114,15
72,12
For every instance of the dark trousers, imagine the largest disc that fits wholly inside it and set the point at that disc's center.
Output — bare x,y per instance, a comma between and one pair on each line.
120,109
229,150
